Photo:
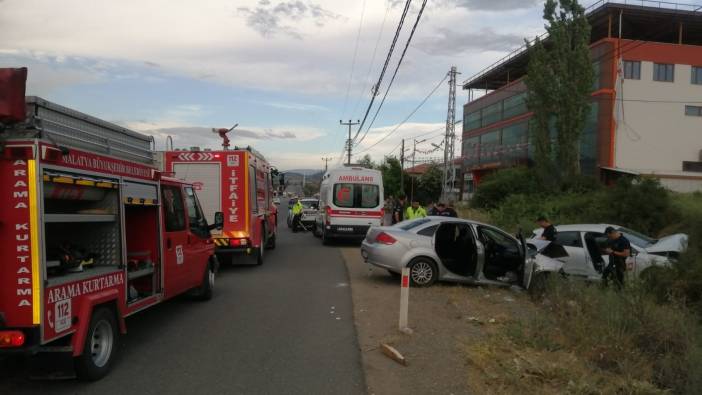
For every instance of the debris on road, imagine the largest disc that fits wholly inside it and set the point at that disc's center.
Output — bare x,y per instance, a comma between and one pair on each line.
393,354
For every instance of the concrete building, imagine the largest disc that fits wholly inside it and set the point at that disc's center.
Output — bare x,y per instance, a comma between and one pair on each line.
646,114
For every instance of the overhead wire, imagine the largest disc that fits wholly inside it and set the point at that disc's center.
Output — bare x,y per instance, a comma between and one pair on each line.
426,98
372,61
355,54
376,87
394,75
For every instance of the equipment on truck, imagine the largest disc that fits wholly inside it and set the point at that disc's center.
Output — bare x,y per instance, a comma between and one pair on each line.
93,233
239,183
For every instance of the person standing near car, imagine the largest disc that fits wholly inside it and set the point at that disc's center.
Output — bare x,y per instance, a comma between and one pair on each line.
388,211
549,232
297,214
415,211
618,249
443,211
398,212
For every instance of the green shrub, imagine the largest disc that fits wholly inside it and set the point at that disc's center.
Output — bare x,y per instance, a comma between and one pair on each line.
627,333
641,204
500,185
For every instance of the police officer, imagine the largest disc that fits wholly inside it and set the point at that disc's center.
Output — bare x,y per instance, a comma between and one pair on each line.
415,211
297,214
398,211
549,232
443,211
618,248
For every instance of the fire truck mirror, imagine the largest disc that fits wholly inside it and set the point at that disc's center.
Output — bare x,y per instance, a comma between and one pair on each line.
219,220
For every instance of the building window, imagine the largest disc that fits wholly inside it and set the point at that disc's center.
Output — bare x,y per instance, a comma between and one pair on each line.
697,75
473,120
693,111
663,72
515,105
632,70
492,113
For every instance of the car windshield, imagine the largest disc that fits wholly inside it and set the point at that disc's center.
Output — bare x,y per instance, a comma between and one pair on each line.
407,225
637,238
309,203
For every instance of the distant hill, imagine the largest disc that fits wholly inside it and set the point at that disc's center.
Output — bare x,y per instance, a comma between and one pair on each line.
305,172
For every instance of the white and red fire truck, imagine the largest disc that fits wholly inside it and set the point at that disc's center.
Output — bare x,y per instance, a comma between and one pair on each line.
91,233
239,183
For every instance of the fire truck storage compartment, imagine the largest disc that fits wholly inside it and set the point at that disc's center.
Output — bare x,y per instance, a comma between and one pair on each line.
141,228
82,227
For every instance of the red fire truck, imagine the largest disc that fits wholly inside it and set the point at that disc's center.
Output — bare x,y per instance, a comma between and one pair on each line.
238,183
91,232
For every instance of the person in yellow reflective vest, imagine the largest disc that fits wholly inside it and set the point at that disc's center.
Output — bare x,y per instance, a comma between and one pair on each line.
415,211
297,214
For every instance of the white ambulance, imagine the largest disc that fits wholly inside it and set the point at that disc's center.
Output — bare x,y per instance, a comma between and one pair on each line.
350,202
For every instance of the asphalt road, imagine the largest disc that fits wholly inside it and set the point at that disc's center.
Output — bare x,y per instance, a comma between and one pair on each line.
282,328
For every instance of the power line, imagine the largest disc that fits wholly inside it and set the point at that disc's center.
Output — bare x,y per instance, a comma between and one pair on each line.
397,68
355,53
408,116
376,87
375,51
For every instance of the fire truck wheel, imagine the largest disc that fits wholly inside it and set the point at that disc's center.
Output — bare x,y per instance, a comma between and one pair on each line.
271,242
100,346
260,250
204,291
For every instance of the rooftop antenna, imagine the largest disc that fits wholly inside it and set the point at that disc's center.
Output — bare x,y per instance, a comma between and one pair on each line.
223,134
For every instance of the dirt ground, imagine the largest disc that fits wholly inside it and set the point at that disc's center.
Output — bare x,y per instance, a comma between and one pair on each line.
446,319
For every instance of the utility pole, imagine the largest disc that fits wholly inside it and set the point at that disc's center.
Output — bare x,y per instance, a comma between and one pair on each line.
402,168
349,144
326,163
414,153
449,176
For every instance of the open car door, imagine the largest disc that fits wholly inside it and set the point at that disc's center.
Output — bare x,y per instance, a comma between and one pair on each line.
454,243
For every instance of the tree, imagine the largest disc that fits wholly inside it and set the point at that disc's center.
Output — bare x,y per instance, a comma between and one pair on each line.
559,81
428,187
366,162
391,169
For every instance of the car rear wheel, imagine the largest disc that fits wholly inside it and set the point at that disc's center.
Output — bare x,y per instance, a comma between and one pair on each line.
325,239
423,272
100,346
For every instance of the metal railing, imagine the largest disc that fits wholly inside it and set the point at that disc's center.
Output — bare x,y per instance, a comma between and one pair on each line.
599,3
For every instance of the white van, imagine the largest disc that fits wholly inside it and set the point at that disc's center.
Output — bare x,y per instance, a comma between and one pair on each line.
350,202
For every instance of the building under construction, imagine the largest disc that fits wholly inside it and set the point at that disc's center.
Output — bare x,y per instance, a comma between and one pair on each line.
646,115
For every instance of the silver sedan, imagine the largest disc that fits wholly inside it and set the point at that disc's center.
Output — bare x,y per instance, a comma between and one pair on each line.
458,250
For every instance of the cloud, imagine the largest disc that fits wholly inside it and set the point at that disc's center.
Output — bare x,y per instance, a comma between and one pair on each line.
446,41
270,20
494,5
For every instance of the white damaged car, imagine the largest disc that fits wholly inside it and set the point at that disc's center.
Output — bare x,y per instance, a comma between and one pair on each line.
458,250
585,244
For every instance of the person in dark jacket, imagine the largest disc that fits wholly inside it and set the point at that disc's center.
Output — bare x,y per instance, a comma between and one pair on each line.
398,212
618,248
549,232
443,211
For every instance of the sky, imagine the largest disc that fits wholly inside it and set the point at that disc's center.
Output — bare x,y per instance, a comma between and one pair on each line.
285,71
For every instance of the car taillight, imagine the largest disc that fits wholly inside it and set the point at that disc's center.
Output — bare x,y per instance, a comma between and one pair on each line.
11,339
326,217
384,238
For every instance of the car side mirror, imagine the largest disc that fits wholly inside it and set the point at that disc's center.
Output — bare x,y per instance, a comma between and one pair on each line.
219,220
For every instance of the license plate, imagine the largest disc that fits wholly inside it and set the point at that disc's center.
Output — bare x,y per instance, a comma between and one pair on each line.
345,229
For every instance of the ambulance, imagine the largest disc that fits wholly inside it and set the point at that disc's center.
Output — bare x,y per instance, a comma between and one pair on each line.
350,202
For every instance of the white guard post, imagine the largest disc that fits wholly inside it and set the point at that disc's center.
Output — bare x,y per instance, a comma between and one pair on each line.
404,301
